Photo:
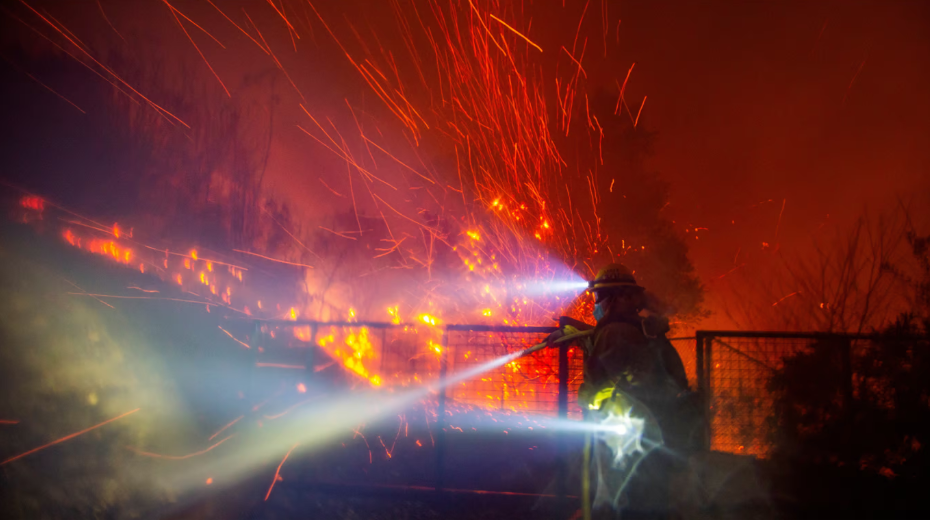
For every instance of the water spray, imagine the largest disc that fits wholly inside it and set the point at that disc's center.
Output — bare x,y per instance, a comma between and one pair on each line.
536,288
317,424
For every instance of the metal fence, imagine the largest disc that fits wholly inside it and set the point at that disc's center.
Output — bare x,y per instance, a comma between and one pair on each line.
529,386
405,354
735,370
732,370
544,384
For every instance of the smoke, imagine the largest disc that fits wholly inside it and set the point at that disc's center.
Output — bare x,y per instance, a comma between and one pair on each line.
68,364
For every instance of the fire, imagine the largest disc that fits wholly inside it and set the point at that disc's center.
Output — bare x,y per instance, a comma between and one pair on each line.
32,202
395,314
355,351
102,247
510,179
427,319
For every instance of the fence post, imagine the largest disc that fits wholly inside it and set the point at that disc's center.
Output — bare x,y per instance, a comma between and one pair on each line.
561,444
384,348
255,342
441,413
699,361
310,358
703,345
845,345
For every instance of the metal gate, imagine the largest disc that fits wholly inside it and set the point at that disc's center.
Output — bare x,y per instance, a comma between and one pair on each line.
734,370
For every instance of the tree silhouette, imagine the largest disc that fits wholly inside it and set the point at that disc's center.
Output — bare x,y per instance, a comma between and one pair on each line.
847,284
631,200
866,415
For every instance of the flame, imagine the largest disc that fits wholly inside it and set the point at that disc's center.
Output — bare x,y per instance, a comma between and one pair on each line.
395,314
356,349
101,247
516,181
32,202
429,320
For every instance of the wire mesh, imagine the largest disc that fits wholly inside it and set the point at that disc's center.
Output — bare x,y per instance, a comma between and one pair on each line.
525,385
741,403
405,355
377,354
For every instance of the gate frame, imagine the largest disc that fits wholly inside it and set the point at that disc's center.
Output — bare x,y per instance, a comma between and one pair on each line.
704,340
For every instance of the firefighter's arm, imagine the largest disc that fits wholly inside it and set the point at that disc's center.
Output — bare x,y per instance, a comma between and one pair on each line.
565,321
567,327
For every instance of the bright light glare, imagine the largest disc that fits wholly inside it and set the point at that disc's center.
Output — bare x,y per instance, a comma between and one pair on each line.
620,429
315,425
624,434
551,287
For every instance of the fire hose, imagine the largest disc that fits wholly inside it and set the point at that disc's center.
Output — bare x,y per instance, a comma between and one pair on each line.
564,339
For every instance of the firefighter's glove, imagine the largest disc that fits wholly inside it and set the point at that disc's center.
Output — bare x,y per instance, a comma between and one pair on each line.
552,337
563,331
598,400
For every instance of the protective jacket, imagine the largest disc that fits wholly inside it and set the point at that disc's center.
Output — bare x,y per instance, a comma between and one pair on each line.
631,368
633,355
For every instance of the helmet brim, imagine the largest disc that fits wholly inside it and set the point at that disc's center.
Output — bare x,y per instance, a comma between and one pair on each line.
594,287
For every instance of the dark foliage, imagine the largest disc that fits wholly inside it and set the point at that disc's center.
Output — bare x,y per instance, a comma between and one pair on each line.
855,414
631,200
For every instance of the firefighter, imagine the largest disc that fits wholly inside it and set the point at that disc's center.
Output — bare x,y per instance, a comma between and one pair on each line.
630,370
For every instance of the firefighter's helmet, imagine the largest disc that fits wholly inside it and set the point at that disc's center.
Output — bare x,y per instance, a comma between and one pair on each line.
613,277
